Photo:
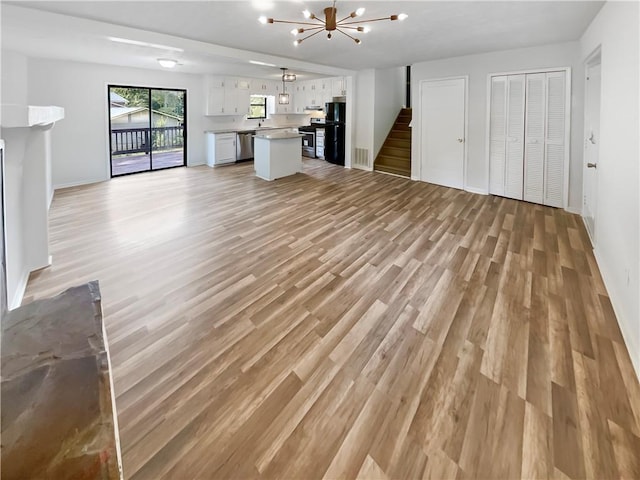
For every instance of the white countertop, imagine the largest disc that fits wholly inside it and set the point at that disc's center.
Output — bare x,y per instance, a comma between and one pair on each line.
279,135
246,129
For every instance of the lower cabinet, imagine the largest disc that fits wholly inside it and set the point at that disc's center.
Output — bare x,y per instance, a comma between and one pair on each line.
221,148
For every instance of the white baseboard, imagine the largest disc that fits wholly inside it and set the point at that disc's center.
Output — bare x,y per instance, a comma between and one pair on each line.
363,167
79,183
478,191
415,179
625,327
19,295
573,210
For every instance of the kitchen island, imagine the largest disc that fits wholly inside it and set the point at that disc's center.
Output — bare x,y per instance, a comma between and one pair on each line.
277,155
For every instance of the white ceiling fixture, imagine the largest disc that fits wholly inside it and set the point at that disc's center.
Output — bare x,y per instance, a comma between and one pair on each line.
167,62
332,24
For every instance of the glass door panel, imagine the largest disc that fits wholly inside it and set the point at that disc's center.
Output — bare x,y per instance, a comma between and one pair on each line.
130,133
167,136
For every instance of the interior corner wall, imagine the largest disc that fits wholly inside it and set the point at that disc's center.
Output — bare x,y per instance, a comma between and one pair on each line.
80,143
363,111
617,229
388,101
478,67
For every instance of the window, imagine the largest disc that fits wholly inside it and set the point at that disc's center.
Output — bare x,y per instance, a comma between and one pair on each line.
258,107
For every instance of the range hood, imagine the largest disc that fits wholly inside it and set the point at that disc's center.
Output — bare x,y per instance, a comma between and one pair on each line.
313,108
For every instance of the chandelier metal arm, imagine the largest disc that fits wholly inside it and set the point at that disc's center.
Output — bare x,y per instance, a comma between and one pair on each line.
345,33
367,21
300,23
309,36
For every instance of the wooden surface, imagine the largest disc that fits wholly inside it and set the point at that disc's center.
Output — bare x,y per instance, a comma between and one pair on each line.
341,324
122,164
395,155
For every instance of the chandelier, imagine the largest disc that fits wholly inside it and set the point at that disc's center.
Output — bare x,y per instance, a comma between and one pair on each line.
331,24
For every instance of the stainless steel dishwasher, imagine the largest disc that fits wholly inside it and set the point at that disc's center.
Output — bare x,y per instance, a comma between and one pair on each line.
244,145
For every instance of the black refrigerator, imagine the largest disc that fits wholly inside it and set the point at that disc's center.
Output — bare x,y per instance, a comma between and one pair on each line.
334,132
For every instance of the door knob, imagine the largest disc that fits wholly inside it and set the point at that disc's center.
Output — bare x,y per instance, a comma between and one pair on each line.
460,140
592,165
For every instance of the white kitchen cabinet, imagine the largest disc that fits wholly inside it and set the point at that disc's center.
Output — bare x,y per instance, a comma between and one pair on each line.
339,87
227,96
528,137
221,148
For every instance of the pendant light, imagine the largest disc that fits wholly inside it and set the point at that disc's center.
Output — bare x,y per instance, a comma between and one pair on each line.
283,97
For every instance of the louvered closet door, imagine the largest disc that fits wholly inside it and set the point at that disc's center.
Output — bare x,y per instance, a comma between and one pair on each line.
514,171
497,135
555,140
534,138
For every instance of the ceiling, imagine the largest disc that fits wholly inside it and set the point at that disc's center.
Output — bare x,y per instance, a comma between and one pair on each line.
432,31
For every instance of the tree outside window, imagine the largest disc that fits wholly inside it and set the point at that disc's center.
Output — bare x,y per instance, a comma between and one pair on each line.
258,108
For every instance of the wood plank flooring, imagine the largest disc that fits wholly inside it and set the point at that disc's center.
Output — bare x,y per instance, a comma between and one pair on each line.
348,324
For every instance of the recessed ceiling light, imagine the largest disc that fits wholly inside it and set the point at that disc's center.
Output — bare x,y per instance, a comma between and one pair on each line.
144,44
167,62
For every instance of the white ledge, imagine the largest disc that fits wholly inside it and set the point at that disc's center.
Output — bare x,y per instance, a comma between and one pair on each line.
20,116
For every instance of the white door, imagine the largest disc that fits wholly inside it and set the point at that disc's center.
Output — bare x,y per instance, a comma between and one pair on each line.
535,138
591,147
514,171
442,120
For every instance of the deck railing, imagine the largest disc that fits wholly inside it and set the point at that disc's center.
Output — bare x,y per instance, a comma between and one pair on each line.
136,140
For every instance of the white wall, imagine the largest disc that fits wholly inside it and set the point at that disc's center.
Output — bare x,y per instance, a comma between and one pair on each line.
14,78
617,234
478,67
81,143
364,111
389,99
379,98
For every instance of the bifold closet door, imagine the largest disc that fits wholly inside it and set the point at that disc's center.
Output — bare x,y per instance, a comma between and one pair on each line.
555,140
507,135
535,138
527,137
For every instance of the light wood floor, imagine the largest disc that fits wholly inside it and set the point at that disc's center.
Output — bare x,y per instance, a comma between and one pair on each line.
344,324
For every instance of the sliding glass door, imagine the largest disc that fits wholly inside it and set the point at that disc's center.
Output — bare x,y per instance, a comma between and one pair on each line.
147,128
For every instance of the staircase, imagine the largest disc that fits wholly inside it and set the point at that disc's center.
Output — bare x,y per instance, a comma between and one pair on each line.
395,154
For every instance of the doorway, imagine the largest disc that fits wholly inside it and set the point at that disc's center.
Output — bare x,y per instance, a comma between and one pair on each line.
591,143
147,129
443,125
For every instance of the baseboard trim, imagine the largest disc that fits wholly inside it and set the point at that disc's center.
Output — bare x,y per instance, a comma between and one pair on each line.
414,178
575,211
19,295
632,348
478,191
363,167
79,183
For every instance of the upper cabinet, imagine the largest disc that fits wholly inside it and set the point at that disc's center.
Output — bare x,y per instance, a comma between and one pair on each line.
227,96
232,96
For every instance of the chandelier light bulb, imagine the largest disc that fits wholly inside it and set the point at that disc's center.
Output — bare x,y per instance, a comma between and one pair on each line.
262,20
358,41
402,16
296,43
306,13
360,12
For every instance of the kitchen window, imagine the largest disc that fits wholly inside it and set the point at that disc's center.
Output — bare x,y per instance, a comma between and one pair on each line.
258,108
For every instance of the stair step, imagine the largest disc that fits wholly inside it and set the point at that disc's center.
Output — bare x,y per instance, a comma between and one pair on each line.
400,134
395,151
398,143
393,161
396,171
